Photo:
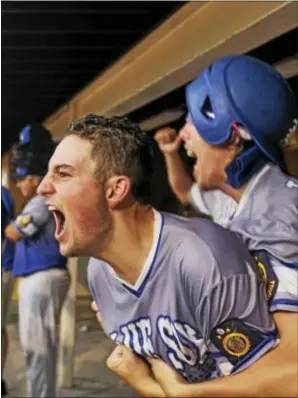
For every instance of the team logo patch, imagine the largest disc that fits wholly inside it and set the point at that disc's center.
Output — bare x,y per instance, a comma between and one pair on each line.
235,339
236,344
267,274
25,220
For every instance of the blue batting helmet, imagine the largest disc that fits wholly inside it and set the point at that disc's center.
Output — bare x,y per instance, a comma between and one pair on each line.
30,156
34,133
243,90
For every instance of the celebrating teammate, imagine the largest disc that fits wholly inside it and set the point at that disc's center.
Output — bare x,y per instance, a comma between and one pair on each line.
238,143
241,116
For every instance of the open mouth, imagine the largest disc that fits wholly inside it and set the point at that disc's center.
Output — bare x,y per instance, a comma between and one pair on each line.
60,222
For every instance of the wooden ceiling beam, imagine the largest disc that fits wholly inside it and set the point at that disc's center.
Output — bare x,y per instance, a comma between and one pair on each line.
176,52
288,67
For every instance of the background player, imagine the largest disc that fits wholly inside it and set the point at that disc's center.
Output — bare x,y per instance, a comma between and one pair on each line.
44,277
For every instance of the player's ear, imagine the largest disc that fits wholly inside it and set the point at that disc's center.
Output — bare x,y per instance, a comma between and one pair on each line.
117,189
234,140
234,144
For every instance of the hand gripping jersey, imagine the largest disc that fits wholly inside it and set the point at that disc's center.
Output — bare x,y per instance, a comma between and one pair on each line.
266,220
199,303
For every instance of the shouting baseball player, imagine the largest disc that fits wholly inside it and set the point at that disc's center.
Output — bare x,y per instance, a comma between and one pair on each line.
241,116
185,290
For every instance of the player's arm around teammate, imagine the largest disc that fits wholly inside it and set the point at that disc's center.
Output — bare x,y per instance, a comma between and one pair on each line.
275,374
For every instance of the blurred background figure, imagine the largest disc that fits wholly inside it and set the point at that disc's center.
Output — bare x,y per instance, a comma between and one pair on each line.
44,279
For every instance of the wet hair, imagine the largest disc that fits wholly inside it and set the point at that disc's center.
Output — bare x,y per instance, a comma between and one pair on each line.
119,147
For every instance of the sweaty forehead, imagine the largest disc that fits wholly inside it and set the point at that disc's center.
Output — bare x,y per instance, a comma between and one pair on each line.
72,151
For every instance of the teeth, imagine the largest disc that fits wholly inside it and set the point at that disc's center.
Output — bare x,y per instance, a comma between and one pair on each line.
52,208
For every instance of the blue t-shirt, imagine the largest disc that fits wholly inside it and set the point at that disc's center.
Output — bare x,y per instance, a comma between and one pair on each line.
38,250
7,214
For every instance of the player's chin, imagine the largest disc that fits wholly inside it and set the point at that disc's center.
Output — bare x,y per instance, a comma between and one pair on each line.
64,250
67,249
74,248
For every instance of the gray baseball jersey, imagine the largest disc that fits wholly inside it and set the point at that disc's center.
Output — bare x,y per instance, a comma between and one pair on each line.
266,220
199,303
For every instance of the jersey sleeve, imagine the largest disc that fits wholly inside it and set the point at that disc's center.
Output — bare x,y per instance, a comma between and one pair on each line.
273,243
32,218
281,281
229,297
269,228
240,329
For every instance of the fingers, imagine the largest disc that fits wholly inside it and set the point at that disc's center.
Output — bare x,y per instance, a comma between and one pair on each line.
95,308
115,359
134,371
123,358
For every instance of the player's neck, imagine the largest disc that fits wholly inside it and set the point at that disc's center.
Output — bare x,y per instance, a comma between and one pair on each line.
131,242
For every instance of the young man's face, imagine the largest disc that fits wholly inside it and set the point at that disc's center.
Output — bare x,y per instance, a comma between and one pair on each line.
211,161
77,199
